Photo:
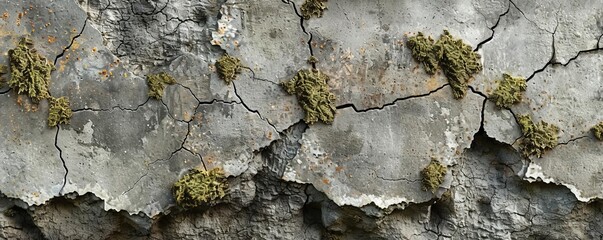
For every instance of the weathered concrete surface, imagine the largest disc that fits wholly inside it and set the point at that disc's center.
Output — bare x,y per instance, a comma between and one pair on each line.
268,38
386,147
356,179
361,44
227,135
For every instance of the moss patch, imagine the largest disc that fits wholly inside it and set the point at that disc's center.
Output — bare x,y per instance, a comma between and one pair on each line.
433,175
228,68
157,84
509,91
30,71
313,95
457,60
537,138
313,8
199,187
59,112
598,131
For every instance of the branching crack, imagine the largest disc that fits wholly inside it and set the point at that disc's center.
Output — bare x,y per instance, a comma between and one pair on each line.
479,45
301,23
351,105
251,110
71,43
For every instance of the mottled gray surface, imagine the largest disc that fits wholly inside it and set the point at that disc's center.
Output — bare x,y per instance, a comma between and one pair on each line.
108,174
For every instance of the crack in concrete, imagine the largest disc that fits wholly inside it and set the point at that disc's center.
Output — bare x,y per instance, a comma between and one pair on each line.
479,45
251,110
71,43
351,105
481,124
56,145
301,24
118,107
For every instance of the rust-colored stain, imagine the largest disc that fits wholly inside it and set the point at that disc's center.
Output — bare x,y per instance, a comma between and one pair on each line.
52,39
338,169
5,16
326,181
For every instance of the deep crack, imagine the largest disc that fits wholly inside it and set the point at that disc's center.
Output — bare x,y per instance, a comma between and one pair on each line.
56,145
479,45
251,110
71,43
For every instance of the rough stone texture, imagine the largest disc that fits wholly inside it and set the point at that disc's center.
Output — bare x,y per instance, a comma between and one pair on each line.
108,175
341,159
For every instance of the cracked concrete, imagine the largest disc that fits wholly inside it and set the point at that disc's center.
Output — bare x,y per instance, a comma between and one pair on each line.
358,178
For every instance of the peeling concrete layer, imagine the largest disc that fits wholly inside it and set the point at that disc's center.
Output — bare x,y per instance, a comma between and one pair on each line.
109,173
380,148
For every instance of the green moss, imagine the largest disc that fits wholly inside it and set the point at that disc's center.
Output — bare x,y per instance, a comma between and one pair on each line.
509,91
30,71
456,59
59,112
433,175
313,8
228,68
157,82
313,95
200,187
537,138
598,131
312,60
421,48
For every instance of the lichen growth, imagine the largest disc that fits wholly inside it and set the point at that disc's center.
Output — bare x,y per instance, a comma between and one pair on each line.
228,68
313,95
537,138
59,112
509,91
157,82
433,175
197,188
598,131
456,59
30,71
313,8
312,60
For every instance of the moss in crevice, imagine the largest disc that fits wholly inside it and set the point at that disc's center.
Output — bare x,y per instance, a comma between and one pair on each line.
198,187
598,131
313,95
30,71
228,67
313,8
457,60
433,175
509,91
537,138
59,112
157,82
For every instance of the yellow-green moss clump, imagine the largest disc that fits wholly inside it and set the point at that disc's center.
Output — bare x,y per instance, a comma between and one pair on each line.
30,71
313,8
433,175
157,84
313,95
457,60
228,67
200,187
598,131
537,138
59,112
509,91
